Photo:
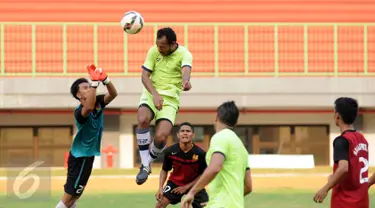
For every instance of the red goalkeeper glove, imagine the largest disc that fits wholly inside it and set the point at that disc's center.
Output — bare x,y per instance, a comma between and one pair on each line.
94,75
103,76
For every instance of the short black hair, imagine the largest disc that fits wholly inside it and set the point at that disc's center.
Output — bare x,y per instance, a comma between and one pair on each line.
228,113
186,124
75,86
168,33
347,108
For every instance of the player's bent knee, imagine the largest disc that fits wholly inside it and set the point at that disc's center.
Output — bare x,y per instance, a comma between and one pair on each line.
162,203
68,199
161,137
144,117
163,130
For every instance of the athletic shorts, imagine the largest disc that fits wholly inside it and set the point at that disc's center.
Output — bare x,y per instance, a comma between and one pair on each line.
200,197
168,112
79,171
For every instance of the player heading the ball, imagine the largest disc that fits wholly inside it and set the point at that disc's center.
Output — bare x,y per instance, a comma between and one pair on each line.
166,72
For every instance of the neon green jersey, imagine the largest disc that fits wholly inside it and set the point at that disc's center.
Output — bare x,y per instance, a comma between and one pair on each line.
227,188
166,74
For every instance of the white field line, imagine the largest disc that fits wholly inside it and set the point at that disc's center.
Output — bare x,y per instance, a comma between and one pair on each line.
255,175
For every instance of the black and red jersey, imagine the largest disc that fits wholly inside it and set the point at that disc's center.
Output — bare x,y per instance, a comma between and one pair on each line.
352,191
186,166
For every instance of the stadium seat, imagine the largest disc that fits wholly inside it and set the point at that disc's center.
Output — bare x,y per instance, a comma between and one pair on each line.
49,49
261,54
17,49
350,49
320,49
231,49
201,44
80,48
111,49
291,49
371,48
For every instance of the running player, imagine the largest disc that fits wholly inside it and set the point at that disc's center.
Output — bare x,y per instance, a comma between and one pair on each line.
228,173
188,163
349,182
89,121
166,72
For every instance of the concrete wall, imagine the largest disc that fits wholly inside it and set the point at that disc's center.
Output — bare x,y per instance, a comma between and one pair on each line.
124,140
16,93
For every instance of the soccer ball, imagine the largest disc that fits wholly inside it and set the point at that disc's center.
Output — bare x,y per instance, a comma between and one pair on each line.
132,22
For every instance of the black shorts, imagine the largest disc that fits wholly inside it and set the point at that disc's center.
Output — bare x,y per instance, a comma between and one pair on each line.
79,171
200,197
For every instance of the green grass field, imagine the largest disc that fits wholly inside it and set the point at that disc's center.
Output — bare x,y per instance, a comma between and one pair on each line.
147,200
279,192
282,199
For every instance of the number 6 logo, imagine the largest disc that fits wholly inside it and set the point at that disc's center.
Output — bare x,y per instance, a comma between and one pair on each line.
22,177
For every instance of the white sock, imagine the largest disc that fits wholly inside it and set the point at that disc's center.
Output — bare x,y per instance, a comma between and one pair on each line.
143,140
154,152
61,205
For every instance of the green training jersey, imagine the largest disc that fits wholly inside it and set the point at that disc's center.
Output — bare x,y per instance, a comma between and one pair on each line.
166,74
227,188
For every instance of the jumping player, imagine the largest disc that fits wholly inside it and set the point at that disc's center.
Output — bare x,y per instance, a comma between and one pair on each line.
89,121
166,72
228,173
349,182
188,163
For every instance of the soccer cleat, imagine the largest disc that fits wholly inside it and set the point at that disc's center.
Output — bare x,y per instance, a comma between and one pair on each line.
142,176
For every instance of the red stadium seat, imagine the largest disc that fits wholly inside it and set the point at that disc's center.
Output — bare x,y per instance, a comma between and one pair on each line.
80,48
320,49
291,49
350,47
49,49
371,48
201,45
261,49
111,49
17,49
231,49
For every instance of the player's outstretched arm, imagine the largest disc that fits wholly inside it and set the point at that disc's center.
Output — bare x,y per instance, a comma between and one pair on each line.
215,166
111,89
248,186
88,98
111,93
371,181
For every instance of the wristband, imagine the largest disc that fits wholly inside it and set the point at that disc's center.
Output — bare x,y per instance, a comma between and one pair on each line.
95,84
106,81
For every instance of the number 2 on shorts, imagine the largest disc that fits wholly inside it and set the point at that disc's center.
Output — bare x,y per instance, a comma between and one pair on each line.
80,189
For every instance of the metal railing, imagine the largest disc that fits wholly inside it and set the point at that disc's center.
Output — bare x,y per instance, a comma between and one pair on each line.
216,68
